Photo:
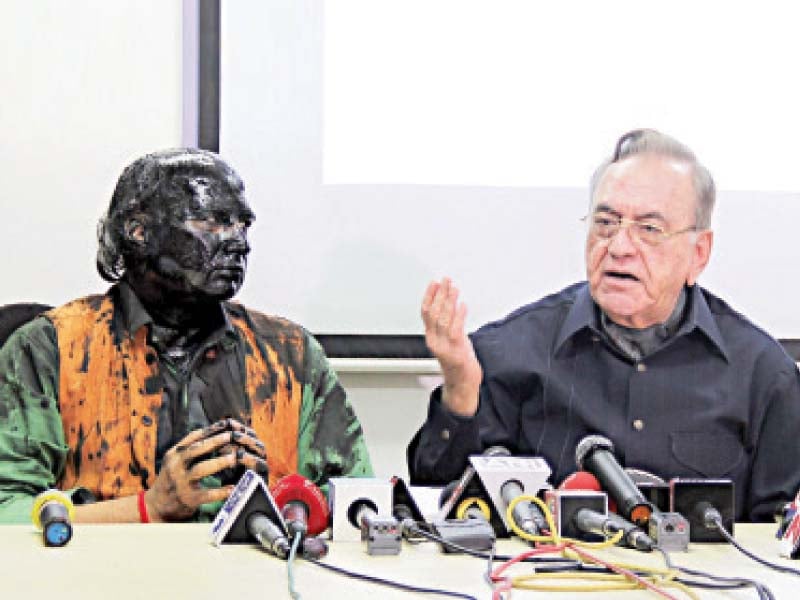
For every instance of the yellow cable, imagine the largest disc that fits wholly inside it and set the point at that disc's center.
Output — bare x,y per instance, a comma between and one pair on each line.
610,581
606,582
468,503
553,538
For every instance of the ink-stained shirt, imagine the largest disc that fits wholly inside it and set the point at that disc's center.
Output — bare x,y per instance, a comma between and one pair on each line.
197,389
720,399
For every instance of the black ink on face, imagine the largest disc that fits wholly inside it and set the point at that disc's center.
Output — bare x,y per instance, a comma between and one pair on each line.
176,230
202,248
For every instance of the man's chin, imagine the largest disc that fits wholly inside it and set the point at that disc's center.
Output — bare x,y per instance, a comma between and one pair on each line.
216,292
620,307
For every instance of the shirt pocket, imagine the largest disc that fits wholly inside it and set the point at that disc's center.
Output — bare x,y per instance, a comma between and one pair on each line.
707,454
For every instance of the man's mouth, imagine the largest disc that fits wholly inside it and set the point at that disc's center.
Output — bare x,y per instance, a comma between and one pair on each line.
229,271
621,275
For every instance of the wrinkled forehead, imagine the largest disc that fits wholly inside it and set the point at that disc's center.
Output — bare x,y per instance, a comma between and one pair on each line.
207,188
647,183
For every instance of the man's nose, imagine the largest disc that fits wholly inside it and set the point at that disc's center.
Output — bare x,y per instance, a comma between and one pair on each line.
234,240
622,242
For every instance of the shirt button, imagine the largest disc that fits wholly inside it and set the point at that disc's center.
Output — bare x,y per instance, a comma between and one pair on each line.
638,424
641,367
146,420
445,434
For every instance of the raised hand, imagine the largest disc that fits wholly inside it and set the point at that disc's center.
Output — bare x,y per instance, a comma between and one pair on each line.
444,318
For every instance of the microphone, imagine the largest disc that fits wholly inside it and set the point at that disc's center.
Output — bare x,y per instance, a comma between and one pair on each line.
527,515
382,534
362,510
404,508
268,534
461,484
595,454
472,528
53,512
303,506
590,521
707,504
585,481
504,478
250,513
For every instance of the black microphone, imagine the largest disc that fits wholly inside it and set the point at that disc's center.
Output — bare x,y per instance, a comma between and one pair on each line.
591,521
595,454
53,512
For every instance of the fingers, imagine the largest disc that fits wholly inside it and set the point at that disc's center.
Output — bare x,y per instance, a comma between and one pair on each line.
250,442
442,314
251,461
458,322
427,299
438,304
448,310
211,466
206,495
230,456
201,447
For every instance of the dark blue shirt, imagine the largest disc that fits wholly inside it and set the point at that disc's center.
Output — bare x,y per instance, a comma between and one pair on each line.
721,398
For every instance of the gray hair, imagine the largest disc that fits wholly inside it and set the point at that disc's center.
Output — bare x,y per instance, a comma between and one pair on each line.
650,141
150,187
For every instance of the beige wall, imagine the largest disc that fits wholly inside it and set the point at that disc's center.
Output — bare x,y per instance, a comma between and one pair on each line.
391,406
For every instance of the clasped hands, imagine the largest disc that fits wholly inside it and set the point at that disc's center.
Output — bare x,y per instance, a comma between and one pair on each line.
227,444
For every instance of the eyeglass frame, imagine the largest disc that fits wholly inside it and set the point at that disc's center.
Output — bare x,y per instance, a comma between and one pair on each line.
623,222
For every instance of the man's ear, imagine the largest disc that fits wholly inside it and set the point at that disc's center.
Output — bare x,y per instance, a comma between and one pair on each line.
134,231
700,254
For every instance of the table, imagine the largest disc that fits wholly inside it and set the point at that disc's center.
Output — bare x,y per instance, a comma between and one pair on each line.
156,561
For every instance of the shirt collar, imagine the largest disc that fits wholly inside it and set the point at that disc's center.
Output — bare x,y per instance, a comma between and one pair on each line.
584,315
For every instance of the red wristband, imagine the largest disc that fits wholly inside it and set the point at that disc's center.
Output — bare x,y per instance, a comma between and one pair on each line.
143,516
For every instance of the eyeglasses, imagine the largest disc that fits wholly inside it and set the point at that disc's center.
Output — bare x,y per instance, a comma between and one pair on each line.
607,226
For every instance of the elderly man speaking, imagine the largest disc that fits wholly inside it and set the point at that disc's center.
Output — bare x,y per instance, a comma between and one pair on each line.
683,384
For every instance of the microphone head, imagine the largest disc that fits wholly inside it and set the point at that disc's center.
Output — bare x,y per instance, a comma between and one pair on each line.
53,513
296,488
583,480
588,445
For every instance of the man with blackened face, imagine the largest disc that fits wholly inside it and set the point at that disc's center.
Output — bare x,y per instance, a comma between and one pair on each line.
201,250
153,398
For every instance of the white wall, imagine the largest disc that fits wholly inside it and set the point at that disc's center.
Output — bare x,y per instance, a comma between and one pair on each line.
87,87
391,407
390,142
